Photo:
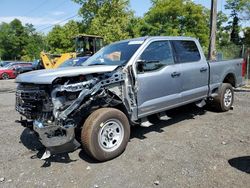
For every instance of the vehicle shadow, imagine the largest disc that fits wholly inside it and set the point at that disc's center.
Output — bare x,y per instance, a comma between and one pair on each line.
58,158
174,116
83,155
242,90
30,141
241,163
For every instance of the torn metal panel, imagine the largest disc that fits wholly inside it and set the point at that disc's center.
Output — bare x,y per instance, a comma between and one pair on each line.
56,118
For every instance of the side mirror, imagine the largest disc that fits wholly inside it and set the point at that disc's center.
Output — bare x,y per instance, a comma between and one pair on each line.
140,65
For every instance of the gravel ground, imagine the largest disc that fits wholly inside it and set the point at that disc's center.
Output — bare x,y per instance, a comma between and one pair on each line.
193,148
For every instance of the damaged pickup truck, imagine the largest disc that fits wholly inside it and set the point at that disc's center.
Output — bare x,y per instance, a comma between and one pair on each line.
125,83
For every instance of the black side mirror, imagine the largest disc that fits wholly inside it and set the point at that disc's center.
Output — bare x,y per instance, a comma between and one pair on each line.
140,65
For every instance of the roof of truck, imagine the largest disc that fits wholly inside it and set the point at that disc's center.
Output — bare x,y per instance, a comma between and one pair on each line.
86,35
158,38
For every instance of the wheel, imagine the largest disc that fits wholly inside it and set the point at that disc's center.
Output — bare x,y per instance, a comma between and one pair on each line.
105,134
154,119
224,101
5,76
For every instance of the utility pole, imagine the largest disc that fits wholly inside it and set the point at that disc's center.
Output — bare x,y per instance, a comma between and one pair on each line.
213,28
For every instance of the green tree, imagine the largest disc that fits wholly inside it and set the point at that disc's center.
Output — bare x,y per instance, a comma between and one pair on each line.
35,43
12,39
223,31
177,18
108,18
19,42
247,36
60,38
134,26
236,7
89,9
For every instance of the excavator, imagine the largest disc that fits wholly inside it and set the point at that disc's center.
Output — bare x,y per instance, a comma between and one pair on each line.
85,45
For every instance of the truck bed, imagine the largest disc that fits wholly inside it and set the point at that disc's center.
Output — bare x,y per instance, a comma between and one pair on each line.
221,70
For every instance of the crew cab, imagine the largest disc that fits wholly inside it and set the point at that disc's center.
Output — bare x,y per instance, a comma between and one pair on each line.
123,84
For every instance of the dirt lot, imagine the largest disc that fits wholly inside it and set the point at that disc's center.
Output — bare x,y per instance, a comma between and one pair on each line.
194,148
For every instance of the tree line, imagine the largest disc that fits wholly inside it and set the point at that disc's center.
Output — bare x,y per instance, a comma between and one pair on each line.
115,20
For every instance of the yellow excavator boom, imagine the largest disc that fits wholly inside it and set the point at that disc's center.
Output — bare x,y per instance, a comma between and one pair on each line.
54,61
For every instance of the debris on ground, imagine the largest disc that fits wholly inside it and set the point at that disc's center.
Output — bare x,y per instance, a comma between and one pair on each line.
156,182
223,143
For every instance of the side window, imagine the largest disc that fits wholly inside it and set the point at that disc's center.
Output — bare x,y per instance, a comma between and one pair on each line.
157,55
186,51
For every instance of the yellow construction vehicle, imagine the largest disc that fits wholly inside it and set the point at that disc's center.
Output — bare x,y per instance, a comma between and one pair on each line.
51,61
85,45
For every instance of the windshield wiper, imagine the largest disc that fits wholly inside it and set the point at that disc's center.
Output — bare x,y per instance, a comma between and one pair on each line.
96,64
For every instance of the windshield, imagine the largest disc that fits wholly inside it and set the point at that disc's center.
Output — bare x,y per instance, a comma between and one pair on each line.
7,66
114,54
73,62
68,63
3,64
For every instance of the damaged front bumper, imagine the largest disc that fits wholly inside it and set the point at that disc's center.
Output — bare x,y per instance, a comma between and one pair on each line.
56,139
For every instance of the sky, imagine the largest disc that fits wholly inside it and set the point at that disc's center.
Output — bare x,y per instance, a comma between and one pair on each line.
43,14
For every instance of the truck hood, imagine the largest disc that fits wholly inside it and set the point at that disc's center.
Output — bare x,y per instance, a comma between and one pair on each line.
48,76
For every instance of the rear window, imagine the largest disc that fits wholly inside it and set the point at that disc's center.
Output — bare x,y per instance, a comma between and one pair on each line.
186,51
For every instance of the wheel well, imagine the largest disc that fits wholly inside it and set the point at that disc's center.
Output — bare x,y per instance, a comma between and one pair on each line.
230,79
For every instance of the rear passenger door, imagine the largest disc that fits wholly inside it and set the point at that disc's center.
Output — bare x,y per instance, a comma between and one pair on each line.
158,79
194,70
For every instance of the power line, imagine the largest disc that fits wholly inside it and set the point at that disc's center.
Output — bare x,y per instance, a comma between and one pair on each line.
37,7
50,10
58,22
55,7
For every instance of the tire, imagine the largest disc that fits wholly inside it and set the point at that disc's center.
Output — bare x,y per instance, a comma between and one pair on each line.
224,101
105,134
5,76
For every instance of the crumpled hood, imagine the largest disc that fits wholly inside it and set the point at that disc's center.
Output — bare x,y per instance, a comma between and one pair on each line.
47,76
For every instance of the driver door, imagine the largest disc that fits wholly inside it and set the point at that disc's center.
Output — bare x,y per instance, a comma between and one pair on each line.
158,79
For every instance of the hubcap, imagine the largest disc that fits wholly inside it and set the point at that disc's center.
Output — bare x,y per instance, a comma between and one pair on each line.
5,76
228,96
111,135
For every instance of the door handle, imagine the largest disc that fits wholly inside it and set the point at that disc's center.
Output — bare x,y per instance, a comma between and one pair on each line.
175,74
203,69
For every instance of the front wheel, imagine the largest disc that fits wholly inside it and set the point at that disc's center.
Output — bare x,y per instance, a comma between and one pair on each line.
105,133
224,101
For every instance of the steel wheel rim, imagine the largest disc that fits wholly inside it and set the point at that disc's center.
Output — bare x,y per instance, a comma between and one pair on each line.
110,135
228,96
5,76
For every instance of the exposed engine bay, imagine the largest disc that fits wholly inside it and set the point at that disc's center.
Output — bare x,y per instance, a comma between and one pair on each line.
57,110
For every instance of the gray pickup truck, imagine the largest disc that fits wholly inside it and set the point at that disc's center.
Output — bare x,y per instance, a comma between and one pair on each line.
123,84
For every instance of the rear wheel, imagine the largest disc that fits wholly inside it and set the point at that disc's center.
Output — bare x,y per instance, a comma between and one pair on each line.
224,101
5,76
105,133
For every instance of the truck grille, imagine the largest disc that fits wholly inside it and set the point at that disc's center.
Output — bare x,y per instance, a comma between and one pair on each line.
29,102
